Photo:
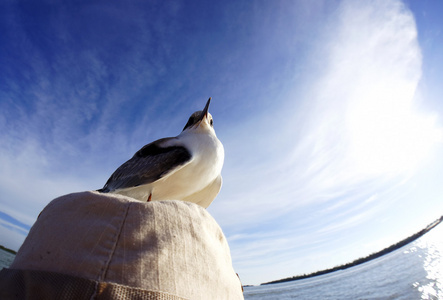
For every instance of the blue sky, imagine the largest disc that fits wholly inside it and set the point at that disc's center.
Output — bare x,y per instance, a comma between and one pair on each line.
330,113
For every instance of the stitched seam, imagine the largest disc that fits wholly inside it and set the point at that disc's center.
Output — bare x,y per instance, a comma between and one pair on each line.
115,244
106,267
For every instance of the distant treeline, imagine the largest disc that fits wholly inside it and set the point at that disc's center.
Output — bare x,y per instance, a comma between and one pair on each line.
7,249
363,259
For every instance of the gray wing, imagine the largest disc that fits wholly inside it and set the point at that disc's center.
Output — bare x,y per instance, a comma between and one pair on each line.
149,164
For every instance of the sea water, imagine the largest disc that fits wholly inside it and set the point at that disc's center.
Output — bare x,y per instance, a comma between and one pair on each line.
414,271
6,259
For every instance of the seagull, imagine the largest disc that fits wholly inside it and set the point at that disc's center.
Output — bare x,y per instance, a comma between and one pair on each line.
186,167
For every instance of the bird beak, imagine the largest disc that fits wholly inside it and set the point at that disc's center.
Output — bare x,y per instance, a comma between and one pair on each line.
205,110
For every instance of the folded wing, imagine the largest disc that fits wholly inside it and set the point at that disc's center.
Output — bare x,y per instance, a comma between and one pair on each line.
149,164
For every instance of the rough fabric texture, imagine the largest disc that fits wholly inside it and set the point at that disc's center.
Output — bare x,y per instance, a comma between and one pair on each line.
173,247
36,285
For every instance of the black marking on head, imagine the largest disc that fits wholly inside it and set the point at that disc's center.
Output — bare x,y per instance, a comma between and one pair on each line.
198,116
193,119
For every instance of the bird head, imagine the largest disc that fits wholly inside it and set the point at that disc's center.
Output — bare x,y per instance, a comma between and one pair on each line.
201,118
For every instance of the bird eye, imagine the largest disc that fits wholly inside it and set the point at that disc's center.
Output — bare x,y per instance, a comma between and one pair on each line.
211,122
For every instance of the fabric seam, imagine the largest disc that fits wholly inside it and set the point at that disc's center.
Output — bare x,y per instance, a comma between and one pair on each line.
106,267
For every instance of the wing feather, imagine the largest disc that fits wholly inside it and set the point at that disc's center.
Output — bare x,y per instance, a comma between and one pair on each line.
149,164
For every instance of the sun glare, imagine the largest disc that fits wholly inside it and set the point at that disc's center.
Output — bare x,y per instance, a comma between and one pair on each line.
387,134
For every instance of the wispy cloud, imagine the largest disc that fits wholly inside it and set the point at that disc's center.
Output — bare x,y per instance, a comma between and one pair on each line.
66,106
355,133
321,144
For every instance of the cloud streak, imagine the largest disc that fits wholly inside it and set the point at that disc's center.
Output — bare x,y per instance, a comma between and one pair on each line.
345,148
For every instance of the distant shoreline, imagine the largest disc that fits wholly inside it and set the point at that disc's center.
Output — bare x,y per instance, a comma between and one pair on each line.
363,259
7,250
